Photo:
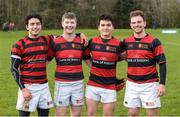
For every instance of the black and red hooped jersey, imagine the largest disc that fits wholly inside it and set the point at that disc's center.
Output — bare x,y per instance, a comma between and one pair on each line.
68,57
33,54
104,56
142,57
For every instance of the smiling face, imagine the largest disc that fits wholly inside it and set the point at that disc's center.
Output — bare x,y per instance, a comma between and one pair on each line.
69,25
105,28
138,24
34,27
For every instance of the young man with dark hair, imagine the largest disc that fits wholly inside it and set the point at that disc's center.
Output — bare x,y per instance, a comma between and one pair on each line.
144,52
104,50
28,66
68,51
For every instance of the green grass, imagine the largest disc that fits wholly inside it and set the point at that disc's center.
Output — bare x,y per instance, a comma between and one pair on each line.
170,102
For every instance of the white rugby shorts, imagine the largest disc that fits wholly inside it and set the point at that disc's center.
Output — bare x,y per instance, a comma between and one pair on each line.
145,95
100,94
41,98
69,93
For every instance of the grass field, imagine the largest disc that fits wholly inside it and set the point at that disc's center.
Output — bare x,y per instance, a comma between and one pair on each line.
170,102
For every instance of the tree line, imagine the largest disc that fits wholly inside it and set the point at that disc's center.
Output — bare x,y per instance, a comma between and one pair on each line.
160,13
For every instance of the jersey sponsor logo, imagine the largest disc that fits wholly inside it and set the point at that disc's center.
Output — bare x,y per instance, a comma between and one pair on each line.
103,62
40,60
69,59
138,60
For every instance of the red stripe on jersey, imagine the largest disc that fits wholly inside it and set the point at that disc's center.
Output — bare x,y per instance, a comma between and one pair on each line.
105,56
30,73
68,54
28,81
103,72
139,54
69,69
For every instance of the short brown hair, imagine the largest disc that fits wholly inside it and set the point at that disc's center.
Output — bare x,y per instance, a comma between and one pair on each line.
69,15
138,13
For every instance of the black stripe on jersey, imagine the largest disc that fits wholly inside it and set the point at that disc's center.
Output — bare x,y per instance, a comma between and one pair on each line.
68,46
140,62
36,44
35,53
103,80
104,48
160,58
68,61
34,69
103,64
34,77
70,76
138,46
143,77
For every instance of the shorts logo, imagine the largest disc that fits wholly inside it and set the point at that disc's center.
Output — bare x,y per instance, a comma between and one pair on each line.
150,104
49,103
60,102
79,101
26,105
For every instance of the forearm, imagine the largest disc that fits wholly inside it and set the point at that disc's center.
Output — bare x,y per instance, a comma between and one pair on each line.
15,62
162,69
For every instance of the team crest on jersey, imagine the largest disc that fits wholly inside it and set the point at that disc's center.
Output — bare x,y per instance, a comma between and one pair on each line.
110,48
97,46
130,45
63,45
145,46
76,46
